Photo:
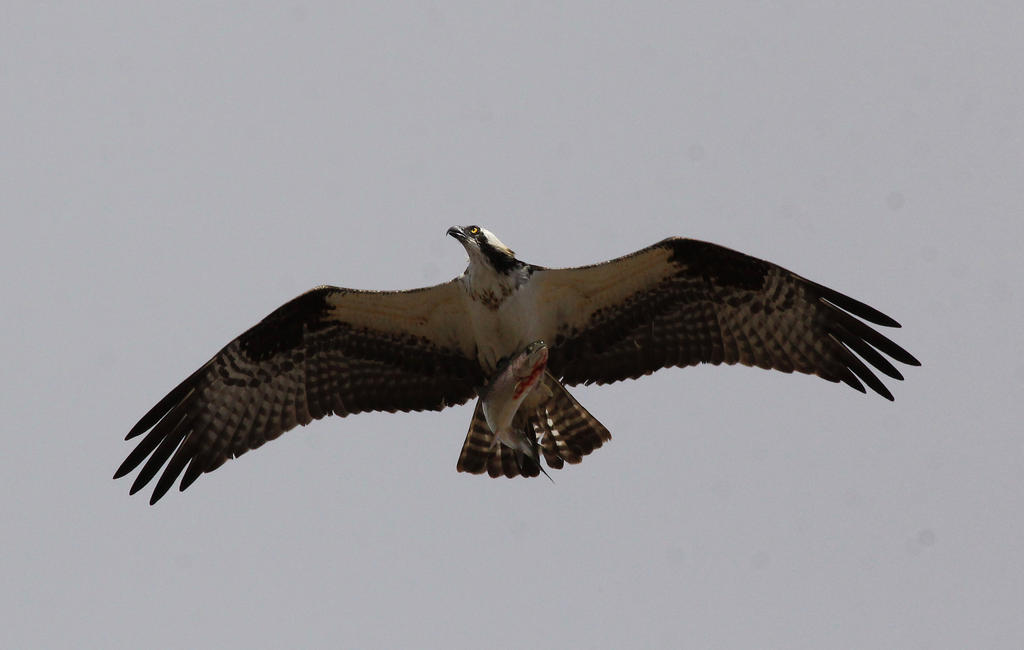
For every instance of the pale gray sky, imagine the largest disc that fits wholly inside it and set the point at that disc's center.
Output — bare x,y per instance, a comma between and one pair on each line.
172,173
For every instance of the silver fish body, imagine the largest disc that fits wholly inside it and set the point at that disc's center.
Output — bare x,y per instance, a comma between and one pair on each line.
505,392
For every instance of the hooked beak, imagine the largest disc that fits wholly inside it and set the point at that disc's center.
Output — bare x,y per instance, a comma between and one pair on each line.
458,233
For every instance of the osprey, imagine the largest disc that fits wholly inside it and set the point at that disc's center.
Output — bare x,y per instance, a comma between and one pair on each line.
677,303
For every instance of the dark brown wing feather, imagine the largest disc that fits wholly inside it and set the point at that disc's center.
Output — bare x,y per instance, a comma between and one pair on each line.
329,351
682,302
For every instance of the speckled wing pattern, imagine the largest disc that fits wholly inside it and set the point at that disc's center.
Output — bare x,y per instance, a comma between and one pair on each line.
562,430
329,351
682,302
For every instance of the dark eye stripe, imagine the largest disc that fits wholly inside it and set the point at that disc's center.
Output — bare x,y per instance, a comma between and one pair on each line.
499,260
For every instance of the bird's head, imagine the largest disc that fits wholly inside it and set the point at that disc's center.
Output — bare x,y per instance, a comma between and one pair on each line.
485,249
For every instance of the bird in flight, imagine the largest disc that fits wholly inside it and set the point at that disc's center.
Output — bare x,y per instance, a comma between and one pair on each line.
339,351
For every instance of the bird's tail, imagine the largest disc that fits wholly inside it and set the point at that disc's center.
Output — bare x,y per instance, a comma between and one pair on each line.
555,423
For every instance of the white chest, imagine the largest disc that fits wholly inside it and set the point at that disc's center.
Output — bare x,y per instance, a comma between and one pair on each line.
506,328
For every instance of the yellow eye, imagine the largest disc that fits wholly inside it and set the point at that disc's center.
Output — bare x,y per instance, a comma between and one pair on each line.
474,230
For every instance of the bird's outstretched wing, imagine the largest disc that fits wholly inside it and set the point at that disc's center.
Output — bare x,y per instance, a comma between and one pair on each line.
330,350
682,302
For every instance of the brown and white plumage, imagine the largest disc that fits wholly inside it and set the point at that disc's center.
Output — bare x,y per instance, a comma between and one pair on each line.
682,302
522,412
329,351
679,302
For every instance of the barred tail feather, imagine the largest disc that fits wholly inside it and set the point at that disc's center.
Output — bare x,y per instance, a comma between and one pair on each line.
511,463
479,445
482,453
564,429
559,427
